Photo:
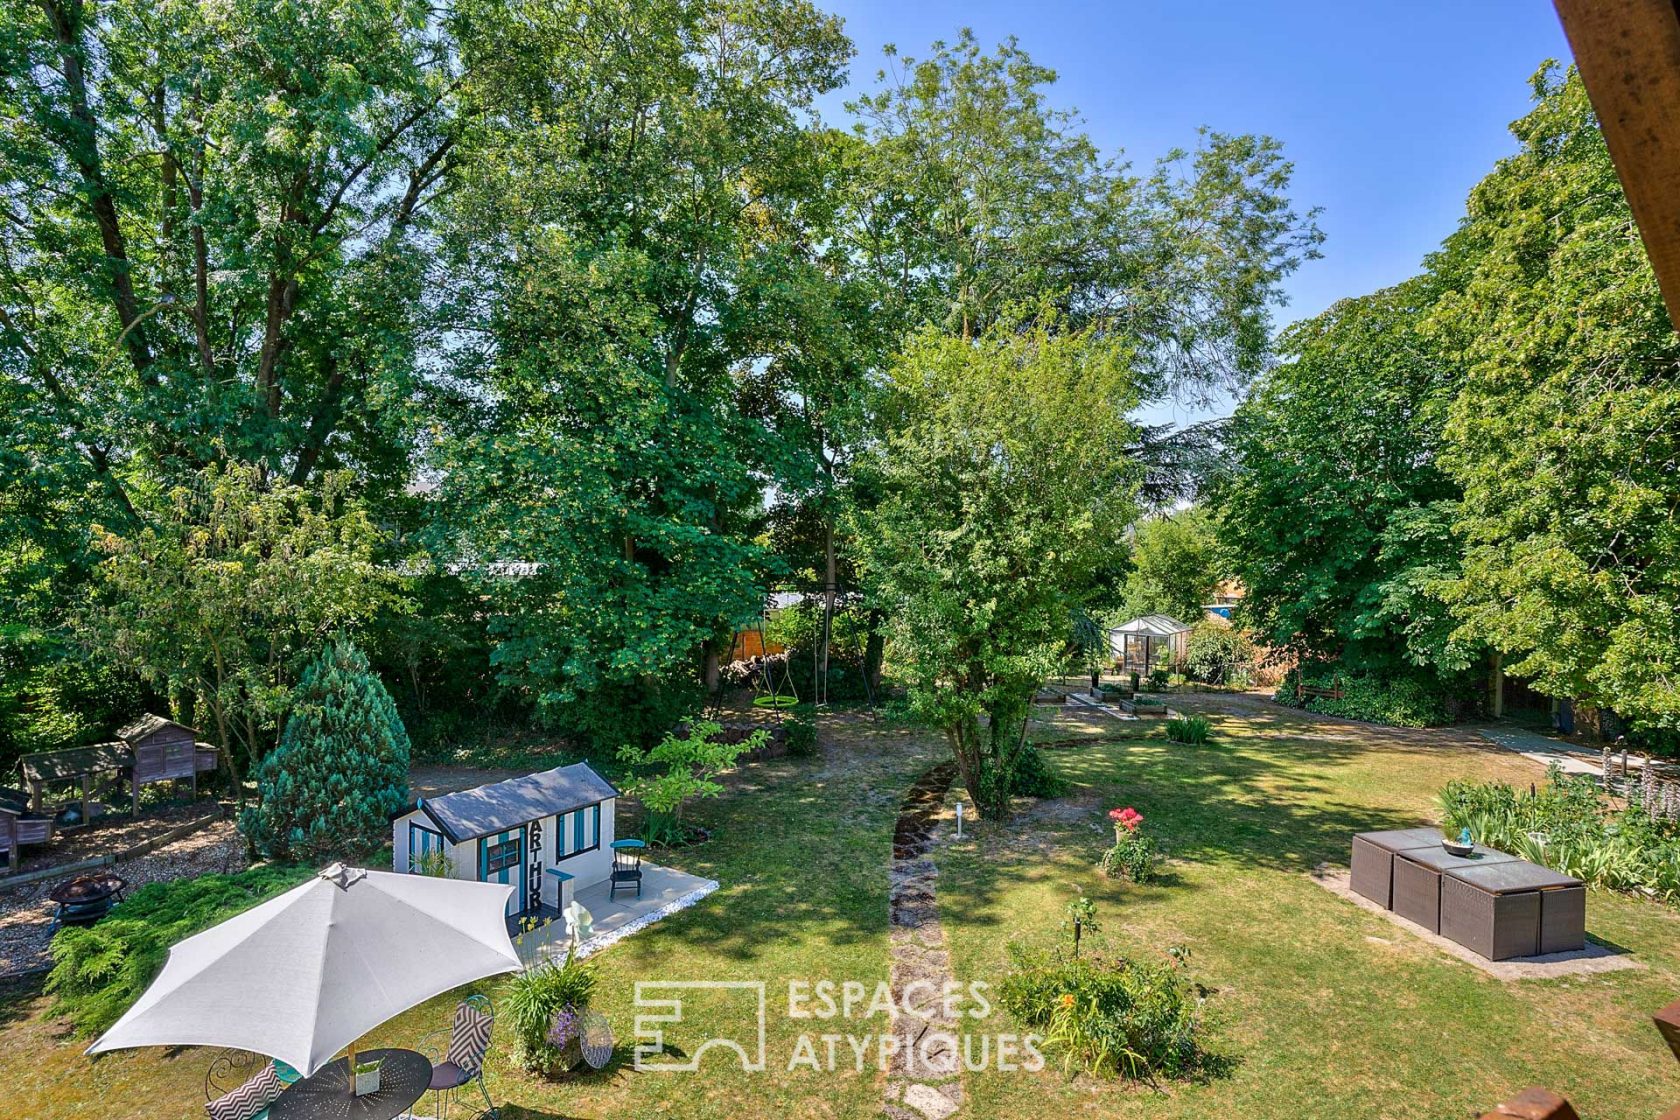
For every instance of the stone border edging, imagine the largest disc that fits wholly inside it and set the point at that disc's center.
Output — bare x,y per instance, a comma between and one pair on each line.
144,848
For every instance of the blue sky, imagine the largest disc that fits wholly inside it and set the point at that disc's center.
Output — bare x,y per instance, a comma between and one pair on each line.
1390,110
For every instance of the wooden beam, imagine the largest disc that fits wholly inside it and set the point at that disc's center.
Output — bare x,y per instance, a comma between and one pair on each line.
1628,52
1533,1104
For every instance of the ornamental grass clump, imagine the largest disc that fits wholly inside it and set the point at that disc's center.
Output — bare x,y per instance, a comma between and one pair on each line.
536,1005
1106,1015
1567,824
1133,855
1190,730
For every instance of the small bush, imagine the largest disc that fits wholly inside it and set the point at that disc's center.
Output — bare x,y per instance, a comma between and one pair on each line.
1159,679
1217,653
533,998
1106,1015
1033,777
680,769
1397,701
1567,825
100,970
1191,730
801,734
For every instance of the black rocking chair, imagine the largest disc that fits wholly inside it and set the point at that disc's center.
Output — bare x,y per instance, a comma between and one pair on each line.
626,868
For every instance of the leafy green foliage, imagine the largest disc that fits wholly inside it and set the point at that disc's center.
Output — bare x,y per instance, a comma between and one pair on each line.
990,523
631,236
1191,730
232,581
100,970
801,727
691,762
1176,562
1106,1015
985,196
531,1000
1218,654
1338,517
1401,700
341,771
1032,775
1567,430
1566,825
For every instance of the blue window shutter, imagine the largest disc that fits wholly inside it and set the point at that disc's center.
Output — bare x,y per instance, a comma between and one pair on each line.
597,825
577,831
483,859
560,835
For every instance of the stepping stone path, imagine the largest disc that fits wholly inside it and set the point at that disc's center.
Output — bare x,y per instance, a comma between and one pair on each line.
924,1078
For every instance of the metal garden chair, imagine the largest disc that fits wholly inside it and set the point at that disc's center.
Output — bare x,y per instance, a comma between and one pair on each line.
462,1063
240,1085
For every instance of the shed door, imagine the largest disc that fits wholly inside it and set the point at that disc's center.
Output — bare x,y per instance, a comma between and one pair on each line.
422,842
501,859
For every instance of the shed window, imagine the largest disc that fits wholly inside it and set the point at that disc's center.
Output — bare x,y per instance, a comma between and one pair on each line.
579,832
501,856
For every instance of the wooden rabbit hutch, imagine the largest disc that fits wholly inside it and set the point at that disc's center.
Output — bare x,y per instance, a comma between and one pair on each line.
19,825
150,749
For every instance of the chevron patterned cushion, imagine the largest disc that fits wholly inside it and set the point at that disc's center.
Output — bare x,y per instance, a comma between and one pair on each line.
250,1099
469,1038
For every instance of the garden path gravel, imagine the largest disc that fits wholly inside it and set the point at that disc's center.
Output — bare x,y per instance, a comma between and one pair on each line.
26,913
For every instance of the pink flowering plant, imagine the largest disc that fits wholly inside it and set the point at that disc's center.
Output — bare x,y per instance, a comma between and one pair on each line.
1133,856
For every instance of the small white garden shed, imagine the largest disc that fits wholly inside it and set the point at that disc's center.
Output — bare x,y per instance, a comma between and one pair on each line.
546,834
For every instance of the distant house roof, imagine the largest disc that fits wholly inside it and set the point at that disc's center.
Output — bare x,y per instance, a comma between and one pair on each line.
472,813
148,725
52,766
1155,625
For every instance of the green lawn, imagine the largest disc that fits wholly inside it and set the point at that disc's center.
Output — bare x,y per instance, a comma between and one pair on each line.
1317,1008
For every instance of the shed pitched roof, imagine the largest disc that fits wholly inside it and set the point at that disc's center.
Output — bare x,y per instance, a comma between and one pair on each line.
52,766
1159,625
149,724
497,807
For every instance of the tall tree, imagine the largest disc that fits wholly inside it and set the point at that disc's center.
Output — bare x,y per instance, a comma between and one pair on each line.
1005,484
637,250
1566,434
1176,562
1338,514
982,195
230,582
210,248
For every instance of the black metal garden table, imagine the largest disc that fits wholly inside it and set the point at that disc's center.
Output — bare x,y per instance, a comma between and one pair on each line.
403,1078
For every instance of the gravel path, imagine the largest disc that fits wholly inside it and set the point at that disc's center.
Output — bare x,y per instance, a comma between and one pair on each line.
26,914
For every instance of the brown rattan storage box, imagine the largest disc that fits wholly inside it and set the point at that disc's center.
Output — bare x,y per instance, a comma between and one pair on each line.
1514,909
1417,880
1373,860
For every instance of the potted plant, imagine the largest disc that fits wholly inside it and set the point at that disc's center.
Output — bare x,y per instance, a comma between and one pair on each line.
366,1077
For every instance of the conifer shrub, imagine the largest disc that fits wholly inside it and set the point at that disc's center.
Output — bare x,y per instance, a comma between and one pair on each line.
340,773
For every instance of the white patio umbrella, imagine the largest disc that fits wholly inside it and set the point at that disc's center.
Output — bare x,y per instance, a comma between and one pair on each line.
306,974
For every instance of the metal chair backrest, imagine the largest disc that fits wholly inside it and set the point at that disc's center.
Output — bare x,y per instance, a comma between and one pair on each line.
469,1037
239,1085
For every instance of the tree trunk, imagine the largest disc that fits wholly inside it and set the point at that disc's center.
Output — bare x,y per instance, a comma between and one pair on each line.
709,666
874,649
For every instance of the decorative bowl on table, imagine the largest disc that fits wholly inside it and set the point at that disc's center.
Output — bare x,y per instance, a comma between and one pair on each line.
1458,847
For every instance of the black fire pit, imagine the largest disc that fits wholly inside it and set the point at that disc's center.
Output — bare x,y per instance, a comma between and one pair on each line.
87,898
